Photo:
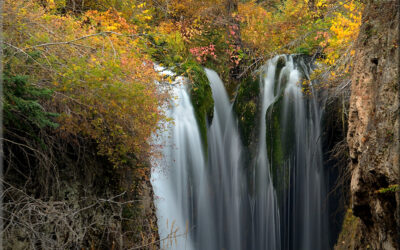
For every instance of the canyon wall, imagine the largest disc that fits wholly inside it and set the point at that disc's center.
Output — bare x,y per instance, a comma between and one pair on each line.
373,135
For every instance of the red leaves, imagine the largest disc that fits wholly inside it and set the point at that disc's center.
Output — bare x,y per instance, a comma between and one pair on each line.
201,53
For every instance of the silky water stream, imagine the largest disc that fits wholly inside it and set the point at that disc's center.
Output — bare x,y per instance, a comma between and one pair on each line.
217,199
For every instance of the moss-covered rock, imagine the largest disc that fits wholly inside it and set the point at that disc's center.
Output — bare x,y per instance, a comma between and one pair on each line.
201,96
280,138
350,235
246,108
280,131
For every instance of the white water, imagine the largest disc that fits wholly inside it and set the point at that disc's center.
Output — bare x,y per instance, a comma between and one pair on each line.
265,213
226,175
171,175
226,203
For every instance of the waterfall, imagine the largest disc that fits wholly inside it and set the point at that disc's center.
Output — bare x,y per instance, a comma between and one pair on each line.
222,201
264,210
226,173
177,174
294,150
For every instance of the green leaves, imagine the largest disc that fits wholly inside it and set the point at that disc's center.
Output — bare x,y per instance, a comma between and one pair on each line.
22,106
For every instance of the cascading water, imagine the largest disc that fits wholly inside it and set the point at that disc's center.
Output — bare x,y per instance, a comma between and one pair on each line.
214,200
172,176
295,153
265,214
226,174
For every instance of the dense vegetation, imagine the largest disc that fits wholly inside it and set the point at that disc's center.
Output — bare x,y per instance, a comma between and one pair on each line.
95,58
79,77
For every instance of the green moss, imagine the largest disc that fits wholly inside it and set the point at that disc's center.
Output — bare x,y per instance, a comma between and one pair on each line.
280,137
350,232
274,142
201,96
172,54
391,189
303,50
280,140
246,108
273,137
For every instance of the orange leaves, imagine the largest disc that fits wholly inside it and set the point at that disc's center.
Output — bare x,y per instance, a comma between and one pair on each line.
267,30
166,27
124,98
104,80
110,20
190,9
123,109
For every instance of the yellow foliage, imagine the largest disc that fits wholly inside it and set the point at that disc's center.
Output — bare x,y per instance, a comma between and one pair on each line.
99,63
267,30
344,31
104,81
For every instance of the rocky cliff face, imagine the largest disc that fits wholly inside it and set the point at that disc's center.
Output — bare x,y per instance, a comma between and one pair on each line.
81,202
373,135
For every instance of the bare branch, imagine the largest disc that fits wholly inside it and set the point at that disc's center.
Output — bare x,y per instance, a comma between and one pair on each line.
72,42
